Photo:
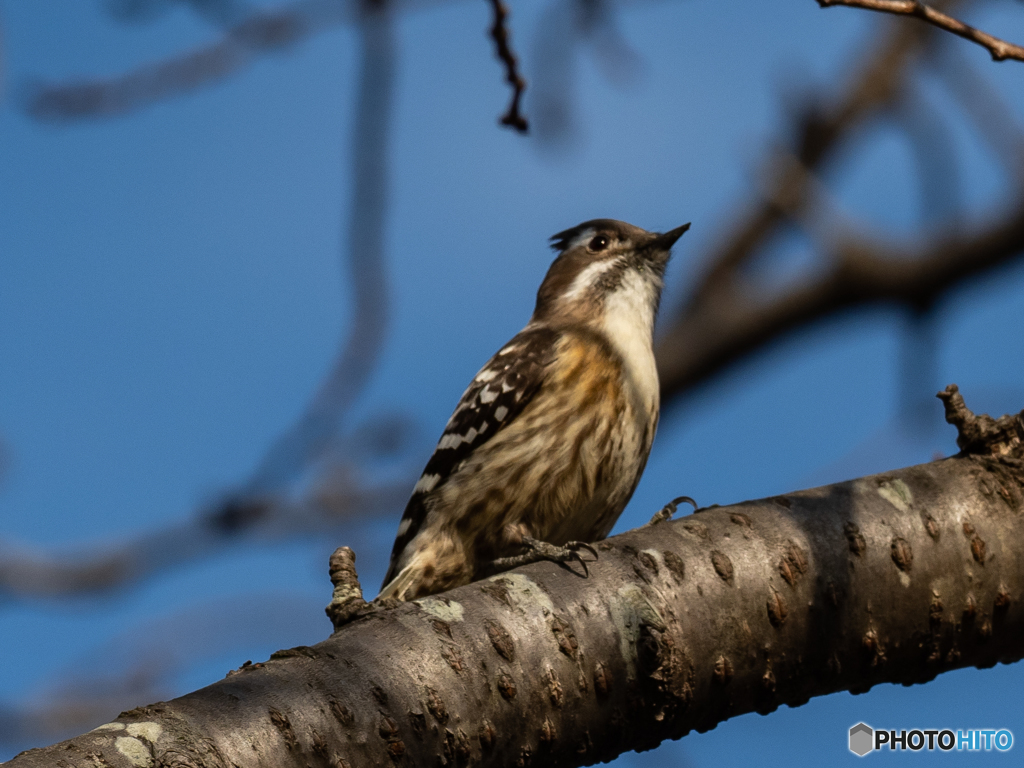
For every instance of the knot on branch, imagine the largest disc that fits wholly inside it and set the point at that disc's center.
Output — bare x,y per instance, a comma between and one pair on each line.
347,601
983,435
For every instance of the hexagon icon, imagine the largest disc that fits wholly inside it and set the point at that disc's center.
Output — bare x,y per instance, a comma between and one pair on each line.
861,739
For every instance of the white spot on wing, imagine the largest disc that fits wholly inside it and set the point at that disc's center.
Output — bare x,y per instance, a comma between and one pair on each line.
488,396
486,375
452,440
449,441
425,485
500,413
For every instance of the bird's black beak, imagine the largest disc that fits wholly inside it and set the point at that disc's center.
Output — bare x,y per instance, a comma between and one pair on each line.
667,240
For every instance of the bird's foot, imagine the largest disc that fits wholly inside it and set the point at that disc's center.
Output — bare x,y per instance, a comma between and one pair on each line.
666,512
537,550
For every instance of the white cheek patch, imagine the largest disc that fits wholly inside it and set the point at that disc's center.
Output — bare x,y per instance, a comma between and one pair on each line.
588,277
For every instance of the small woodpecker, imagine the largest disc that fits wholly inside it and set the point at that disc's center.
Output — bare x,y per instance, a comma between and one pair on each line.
549,441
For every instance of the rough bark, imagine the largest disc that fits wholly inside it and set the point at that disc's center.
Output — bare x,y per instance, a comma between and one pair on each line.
890,578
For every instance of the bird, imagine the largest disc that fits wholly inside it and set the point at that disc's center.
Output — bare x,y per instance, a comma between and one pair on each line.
550,439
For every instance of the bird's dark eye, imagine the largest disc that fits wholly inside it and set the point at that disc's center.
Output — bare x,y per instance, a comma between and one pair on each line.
598,243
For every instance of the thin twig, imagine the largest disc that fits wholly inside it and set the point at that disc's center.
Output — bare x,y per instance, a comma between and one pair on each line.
1000,49
499,33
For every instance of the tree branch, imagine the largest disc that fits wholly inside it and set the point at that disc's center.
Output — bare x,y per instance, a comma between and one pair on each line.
306,442
725,319
718,333
262,504
499,33
890,578
26,573
1000,49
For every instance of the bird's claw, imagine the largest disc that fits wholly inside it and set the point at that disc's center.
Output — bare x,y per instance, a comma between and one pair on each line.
666,512
573,548
538,550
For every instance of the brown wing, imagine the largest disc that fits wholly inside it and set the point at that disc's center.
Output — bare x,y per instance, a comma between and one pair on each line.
494,398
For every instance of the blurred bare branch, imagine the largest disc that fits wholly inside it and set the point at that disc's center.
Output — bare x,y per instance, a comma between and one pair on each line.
337,489
263,32
1000,49
314,478
988,112
720,323
500,34
597,21
306,442
565,26
725,320
934,148
551,96
27,573
146,662
222,13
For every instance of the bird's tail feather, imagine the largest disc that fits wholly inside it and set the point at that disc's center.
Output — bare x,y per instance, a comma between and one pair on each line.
398,587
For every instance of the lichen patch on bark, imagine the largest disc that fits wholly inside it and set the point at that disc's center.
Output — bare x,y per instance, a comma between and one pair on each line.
147,731
524,592
441,608
108,727
630,610
897,493
134,751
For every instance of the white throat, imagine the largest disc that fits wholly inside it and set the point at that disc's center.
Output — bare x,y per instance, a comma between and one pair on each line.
629,324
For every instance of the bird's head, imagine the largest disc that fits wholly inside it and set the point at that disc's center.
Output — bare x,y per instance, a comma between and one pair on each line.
600,262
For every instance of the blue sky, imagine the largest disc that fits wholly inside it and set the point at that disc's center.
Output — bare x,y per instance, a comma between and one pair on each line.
170,297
